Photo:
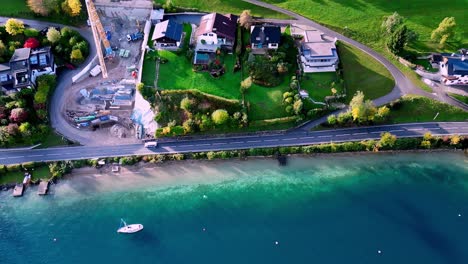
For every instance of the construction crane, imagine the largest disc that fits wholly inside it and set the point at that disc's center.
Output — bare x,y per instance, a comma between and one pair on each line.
99,36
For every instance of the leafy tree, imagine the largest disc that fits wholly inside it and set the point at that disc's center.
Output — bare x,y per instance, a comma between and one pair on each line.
331,119
246,84
444,31
18,115
31,43
220,116
53,35
31,32
297,107
383,112
245,19
392,22
398,40
12,129
75,7
83,46
76,56
26,129
38,7
189,125
186,104
362,111
455,140
428,136
426,144
3,48
169,6
387,140
14,26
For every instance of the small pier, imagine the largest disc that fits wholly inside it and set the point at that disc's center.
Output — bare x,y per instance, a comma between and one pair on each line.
18,190
43,188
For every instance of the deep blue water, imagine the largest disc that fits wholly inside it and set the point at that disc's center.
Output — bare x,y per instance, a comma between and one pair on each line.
413,208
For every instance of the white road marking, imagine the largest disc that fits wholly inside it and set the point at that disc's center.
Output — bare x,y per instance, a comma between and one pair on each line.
35,155
271,140
415,129
323,136
398,130
436,128
16,157
360,133
290,139
203,144
376,132
342,135
186,146
237,142
219,143
307,137
254,141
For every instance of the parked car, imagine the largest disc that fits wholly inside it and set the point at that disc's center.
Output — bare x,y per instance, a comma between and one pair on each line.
135,36
43,31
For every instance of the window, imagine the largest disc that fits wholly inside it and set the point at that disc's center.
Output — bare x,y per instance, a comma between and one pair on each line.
42,59
33,60
3,78
257,38
210,35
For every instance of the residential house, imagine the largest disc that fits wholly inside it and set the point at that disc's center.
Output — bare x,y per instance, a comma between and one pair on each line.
215,31
454,68
167,34
264,37
318,54
24,68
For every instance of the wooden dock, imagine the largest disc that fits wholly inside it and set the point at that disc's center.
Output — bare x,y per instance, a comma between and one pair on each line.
18,190
43,188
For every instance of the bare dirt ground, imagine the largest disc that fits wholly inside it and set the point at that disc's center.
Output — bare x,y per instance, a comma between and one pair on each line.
119,22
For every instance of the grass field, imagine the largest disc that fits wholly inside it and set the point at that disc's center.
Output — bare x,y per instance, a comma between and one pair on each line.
266,102
319,84
362,73
178,74
41,172
224,6
364,17
460,98
422,109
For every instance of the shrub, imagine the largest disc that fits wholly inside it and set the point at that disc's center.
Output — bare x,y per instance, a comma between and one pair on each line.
31,43
13,167
31,32
3,169
53,35
18,115
331,119
220,116
426,144
76,56
28,165
186,104
14,26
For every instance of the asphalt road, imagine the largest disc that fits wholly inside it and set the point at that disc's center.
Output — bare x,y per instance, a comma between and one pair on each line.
233,142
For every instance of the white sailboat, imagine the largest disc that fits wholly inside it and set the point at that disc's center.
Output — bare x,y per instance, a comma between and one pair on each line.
128,229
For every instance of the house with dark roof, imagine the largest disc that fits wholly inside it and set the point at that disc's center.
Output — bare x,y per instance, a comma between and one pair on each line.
454,68
265,37
167,34
24,68
215,31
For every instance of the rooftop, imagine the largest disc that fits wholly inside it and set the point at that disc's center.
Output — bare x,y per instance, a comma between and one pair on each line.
21,54
169,29
313,36
223,25
319,49
265,34
458,66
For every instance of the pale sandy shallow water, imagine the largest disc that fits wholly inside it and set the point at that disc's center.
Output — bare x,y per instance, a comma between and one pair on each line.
324,209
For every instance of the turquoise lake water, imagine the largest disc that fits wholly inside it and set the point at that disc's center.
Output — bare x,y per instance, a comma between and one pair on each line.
412,208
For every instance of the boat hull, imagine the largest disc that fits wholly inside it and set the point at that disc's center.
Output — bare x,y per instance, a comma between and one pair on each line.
129,229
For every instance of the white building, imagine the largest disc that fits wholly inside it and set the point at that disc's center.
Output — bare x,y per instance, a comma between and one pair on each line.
454,69
317,53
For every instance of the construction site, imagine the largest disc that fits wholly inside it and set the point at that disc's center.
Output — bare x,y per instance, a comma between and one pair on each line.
103,97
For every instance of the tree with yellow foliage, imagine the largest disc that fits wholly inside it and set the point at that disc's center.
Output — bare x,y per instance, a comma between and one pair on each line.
14,26
75,7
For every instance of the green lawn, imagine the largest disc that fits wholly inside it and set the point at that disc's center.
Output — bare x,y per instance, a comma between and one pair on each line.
225,6
41,172
460,98
53,140
364,17
362,73
422,109
178,74
319,84
267,102
426,64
